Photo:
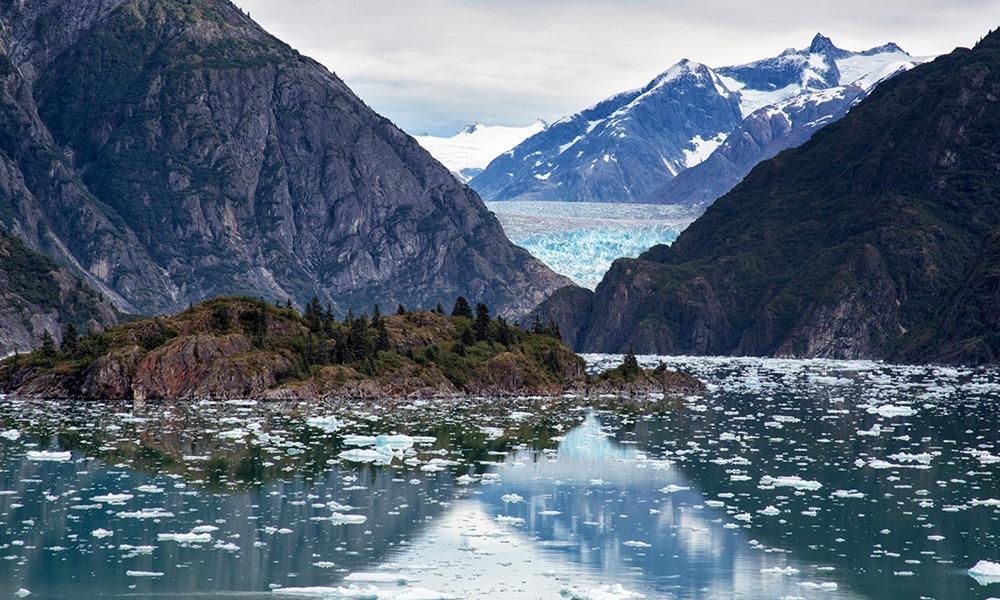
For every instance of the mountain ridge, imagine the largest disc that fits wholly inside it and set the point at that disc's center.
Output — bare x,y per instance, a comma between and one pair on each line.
618,150
199,156
875,239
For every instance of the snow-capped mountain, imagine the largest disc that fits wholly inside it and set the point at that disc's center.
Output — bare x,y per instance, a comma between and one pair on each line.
622,148
630,146
762,135
468,152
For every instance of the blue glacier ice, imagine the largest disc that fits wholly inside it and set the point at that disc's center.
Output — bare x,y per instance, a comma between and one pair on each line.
582,239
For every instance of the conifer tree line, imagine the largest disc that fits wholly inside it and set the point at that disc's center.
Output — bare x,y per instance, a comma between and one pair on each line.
360,338
357,339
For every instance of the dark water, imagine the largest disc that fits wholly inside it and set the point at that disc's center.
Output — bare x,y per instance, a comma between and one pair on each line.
790,479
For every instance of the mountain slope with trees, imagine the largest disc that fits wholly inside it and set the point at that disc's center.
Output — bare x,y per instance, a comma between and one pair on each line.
43,303
172,150
875,239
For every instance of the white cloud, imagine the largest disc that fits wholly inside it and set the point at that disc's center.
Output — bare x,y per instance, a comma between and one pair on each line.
434,65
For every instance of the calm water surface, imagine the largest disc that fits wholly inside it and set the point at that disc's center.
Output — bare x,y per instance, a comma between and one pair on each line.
789,479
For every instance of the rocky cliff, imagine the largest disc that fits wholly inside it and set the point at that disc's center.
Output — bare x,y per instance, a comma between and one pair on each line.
875,239
172,150
37,296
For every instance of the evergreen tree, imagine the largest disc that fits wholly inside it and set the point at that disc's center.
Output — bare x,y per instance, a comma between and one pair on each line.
630,366
505,335
401,310
467,336
462,308
439,309
70,339
314,314
381,336
536,325
482,323
48,345
288,304
357,345
552,330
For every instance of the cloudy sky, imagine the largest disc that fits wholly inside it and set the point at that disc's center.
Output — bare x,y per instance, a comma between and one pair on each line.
434,65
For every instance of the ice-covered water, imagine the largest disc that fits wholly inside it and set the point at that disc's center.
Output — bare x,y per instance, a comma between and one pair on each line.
582,239
788,479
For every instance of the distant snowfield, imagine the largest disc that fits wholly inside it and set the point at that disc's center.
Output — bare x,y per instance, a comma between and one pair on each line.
581,239
468,152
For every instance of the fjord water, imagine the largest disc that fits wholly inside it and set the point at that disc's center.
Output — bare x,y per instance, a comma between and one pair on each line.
788,479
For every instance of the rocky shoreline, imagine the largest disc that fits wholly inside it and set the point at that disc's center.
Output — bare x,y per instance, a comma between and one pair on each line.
228,349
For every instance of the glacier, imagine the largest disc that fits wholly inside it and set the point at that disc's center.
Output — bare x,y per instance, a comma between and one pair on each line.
581,239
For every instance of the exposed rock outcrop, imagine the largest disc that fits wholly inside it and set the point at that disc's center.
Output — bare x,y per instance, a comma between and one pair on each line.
171,150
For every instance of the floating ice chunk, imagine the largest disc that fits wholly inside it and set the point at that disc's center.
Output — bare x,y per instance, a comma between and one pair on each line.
780,570
636,544
149,489
828,586
329,423
673,487
233,434
112,498
185,538
989,502
10,434
227,546
892,410
875,431
770,511
143,573
48,455
508,520
923,458
364,455
985,572
101,533
205,529
492,432
792,481
363,577
511,498
22,592
605,592
146,513
342,519
847,494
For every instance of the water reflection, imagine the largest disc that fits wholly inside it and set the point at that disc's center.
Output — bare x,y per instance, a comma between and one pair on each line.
789,480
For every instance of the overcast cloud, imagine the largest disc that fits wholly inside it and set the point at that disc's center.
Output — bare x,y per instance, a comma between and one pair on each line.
434,65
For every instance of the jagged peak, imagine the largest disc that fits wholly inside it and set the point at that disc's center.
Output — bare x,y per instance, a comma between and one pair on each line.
471,127
821,43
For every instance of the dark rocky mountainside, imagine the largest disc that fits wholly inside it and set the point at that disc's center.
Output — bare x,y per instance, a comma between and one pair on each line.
171,150
38,296
878,238
245,348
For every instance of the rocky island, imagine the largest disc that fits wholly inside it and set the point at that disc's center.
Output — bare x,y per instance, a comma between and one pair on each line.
247,348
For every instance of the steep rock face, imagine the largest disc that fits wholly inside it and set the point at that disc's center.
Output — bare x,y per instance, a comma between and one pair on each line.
37,296
196,155
875,239
631,146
